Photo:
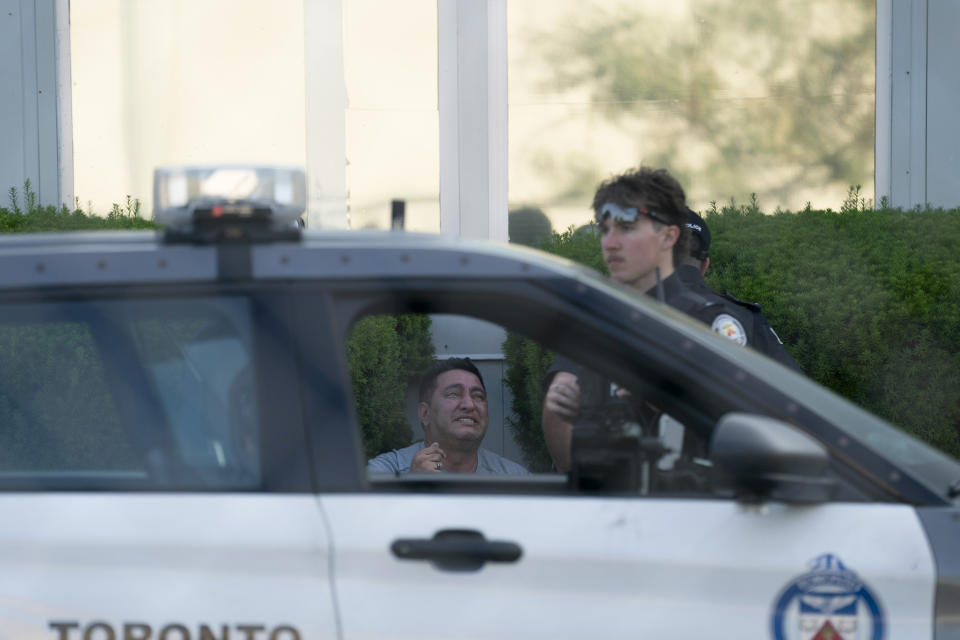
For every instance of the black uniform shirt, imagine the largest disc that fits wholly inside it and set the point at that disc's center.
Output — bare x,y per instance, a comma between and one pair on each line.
757,330
723,316
686,291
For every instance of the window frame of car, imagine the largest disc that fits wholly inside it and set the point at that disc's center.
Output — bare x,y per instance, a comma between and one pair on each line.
345,274
628,330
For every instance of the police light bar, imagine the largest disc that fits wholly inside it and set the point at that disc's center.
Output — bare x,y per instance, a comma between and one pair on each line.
188,194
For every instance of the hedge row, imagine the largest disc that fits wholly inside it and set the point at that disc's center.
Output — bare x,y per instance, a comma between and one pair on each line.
867,301
385,353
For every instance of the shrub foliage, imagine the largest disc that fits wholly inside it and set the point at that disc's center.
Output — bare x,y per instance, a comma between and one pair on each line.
867,301
385,354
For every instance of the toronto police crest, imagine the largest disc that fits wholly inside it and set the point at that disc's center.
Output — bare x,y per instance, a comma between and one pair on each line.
829,602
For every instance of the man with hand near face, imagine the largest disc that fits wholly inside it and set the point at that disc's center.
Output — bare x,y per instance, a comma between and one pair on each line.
453,412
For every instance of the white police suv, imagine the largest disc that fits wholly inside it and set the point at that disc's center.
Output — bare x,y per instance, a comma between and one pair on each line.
181,456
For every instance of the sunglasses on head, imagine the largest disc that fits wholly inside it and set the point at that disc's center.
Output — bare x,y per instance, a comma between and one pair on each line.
627,214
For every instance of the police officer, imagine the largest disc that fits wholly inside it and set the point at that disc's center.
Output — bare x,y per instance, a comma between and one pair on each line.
747,316
642,215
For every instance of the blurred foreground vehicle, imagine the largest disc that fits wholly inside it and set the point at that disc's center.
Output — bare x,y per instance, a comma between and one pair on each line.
181,455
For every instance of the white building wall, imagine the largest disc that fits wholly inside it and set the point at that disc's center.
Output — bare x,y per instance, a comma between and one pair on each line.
943,103
34,94
918,93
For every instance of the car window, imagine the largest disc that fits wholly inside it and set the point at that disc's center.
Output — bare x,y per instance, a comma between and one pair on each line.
388,353
643,428
153,393
56,407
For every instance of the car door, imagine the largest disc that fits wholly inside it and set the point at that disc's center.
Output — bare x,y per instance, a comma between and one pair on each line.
152,480
632,567
537,556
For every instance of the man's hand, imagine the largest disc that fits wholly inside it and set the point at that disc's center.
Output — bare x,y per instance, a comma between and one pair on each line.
561,407
563,396
428,460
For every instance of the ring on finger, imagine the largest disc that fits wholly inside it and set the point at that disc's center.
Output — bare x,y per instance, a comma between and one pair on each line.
439,466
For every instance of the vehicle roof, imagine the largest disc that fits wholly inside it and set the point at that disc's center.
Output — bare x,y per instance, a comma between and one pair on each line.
135,256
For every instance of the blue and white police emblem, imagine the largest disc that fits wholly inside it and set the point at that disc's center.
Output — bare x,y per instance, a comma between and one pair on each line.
829,602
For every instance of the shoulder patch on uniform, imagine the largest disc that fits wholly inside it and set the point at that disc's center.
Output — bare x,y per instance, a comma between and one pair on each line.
753,306
730,328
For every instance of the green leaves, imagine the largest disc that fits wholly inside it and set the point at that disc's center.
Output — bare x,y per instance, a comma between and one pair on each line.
867,301
385,353
34,217
527,363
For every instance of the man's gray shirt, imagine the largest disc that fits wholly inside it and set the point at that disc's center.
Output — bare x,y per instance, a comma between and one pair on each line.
398,461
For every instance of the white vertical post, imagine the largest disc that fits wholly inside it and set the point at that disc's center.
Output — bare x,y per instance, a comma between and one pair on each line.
883,98
908,102
326,97
31,103
449,117
918,103
472,77
64,104
943,96
497,114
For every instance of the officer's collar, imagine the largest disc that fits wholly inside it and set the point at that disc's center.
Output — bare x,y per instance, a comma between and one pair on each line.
671,286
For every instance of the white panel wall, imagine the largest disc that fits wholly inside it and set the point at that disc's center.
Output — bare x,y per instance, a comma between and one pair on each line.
33,143
943,103
918,99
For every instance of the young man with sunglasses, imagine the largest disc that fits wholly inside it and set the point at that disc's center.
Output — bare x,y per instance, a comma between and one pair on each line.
642,215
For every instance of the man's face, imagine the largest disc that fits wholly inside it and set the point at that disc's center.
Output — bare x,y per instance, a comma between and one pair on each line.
633,250
457,410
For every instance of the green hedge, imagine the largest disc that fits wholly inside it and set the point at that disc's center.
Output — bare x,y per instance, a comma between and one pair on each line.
385,353
867,302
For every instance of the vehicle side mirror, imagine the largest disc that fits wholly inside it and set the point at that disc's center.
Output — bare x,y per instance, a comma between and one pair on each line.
767,459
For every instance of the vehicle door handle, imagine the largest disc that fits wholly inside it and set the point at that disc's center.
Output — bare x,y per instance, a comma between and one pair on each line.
456,550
